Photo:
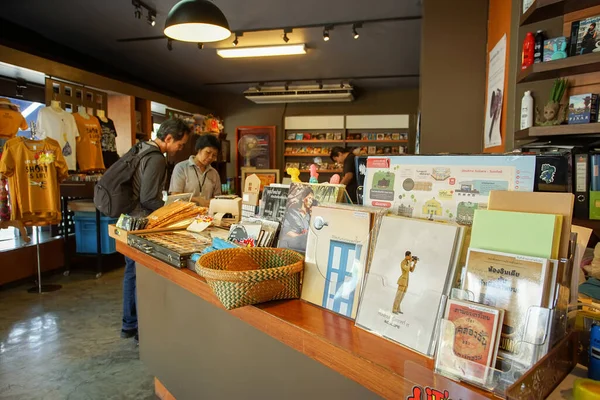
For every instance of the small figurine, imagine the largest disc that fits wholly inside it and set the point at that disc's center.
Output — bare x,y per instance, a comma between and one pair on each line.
335,179
554,113
314,175
294,173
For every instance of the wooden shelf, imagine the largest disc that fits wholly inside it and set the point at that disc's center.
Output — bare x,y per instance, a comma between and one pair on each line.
304,155
378,141
324,171
593,224
312,141
558,130
541,10
569,66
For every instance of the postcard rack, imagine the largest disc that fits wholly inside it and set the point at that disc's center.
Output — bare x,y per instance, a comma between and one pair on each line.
546,346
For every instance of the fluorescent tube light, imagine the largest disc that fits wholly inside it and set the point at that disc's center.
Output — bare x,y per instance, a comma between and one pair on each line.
263,51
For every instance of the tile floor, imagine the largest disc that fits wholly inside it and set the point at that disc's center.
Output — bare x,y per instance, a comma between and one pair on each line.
66,344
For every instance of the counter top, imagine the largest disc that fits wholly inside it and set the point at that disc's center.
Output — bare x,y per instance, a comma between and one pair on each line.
381,366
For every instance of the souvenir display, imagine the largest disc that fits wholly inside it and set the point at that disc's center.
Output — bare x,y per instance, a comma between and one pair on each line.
274,200
174,248
412,268
181,213
245,234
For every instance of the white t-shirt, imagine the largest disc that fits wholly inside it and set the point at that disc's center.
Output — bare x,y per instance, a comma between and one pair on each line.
60,126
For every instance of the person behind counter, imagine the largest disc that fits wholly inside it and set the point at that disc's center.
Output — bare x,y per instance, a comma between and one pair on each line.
345,157
196,175
148,183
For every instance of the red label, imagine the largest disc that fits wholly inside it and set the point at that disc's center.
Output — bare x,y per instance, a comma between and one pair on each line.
428,393
384,204
452,181
378,162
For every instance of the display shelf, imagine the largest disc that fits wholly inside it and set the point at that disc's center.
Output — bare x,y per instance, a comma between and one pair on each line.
545,9
569,66
378,141
593,224
324,171
312,141
558,130
383,367
305,155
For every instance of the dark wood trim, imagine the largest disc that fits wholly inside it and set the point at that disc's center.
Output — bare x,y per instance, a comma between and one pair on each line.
558,130
542,10
576,65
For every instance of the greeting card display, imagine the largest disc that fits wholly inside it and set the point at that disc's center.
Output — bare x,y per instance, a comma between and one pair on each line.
412,268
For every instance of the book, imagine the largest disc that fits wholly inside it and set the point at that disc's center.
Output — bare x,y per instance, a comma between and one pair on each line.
302,197
372,150
528,234
555,48
519,285
395,136
329,136
476,332
337,136
336,254
291,136
245,234
546,203
380,136
412,268
573,38
299,136
583,108
587,35
275,199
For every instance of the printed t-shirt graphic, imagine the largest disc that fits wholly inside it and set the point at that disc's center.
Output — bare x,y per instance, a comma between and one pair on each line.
89,144
10,123
60,126
34,169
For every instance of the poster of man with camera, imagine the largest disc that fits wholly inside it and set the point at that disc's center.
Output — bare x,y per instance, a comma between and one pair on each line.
407,266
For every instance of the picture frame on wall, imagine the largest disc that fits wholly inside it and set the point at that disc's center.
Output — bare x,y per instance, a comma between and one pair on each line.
266,176
225,155
263,154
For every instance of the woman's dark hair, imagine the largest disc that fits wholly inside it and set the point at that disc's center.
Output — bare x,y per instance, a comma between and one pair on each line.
175,127
336,151
207,140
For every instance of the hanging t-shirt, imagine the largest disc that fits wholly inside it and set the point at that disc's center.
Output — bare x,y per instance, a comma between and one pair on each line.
34,169
89,143
60,126
10,123
109,144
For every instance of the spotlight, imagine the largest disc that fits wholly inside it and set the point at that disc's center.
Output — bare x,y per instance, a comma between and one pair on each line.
326,34
200,46
170,44
286,38
355,34
235,41
320,84
138,12
151,18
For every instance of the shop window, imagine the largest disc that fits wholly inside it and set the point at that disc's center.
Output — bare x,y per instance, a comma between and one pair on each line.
78,94
68,91
29,110
68,107
89,97
155,127
56,88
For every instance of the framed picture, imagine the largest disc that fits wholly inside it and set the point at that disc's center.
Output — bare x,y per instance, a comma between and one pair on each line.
266,176
260,149
225,155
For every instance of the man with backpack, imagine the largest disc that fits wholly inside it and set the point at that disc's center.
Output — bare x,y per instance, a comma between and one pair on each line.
134,186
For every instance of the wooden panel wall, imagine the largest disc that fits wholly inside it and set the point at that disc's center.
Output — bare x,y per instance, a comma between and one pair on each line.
72,95
121,109
499,24
21,263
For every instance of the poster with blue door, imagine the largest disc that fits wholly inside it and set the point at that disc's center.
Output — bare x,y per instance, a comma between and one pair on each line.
341,279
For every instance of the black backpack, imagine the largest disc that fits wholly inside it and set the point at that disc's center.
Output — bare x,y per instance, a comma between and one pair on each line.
113,194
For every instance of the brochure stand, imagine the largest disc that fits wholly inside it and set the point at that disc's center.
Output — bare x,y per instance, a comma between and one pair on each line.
545,347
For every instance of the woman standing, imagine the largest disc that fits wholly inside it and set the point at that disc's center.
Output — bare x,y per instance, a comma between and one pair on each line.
196,175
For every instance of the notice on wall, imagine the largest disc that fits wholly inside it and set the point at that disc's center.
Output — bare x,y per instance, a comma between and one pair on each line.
495,94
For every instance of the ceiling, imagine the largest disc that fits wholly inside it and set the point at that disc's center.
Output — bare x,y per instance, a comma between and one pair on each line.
388,49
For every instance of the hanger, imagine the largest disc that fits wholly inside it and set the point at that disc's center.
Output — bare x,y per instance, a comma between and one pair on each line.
102,115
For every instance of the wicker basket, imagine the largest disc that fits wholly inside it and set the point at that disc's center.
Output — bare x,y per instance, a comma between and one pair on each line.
244,276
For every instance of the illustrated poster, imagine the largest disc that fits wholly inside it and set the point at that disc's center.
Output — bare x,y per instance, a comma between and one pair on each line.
495,94
410,269
446,188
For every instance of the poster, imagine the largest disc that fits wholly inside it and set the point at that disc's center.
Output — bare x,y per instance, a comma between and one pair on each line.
444,188
495,94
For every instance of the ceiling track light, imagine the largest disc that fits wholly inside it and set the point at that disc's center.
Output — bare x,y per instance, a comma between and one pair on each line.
285,34
235,40
326,34
200,46
286,38
356,26
170,44
151,17
320,83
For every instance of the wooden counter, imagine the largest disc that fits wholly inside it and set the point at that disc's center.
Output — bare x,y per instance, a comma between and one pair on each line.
383,367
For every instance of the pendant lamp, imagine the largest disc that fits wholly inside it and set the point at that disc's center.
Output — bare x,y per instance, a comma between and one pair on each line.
198,21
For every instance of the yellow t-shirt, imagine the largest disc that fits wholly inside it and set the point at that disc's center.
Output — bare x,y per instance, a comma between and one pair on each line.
34,170
89,143
10,122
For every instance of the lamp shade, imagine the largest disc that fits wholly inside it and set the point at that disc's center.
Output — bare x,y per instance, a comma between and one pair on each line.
198,21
